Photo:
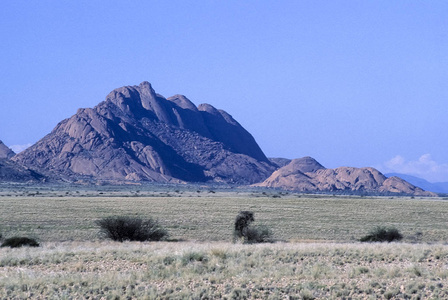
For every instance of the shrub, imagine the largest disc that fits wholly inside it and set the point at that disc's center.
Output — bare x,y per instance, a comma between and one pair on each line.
123,228
258,234
382,234
247,233
18,241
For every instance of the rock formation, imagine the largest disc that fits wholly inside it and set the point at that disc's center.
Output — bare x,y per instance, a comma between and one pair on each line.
307,175
138,135
5,152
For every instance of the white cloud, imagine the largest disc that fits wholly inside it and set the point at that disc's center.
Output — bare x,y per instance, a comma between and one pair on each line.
19,148
425,167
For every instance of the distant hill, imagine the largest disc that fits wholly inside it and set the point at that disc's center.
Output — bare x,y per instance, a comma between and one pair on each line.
307,175
11,171
438,187
5,152
279,161
138,135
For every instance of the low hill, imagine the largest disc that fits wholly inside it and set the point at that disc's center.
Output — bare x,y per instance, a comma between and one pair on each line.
307,175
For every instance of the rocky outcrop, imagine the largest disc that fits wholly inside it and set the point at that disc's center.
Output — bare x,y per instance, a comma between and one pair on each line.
307,175
5,152
138,135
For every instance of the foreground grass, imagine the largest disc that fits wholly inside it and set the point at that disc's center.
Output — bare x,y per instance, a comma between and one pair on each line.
107,270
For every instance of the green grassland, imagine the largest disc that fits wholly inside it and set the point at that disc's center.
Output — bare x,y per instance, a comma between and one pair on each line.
318,254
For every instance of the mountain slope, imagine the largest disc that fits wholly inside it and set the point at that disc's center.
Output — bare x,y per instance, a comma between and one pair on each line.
5,152
10,171
307,175
136,134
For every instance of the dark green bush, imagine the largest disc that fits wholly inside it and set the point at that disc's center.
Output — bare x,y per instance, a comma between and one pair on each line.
123,228
242,222
18,241
382,234
246,233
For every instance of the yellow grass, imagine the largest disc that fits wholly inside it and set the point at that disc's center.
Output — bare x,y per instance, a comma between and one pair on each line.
213,270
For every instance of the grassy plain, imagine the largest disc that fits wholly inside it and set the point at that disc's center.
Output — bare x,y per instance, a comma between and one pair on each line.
319,256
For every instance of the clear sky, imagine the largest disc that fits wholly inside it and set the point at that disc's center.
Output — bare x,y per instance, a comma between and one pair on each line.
350,83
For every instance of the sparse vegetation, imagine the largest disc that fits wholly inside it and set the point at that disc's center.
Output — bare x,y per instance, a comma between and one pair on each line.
19,241
125,228
383,234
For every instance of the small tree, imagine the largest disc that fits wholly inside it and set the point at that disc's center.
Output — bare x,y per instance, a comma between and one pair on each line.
123,228
247,233
242,222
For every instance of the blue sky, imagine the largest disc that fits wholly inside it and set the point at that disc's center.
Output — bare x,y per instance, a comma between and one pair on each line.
350,83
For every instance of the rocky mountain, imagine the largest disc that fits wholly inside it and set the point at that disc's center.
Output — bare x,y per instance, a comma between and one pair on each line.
5,152
307,175
138,135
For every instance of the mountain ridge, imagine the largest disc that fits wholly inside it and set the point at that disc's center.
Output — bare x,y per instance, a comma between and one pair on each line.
307,175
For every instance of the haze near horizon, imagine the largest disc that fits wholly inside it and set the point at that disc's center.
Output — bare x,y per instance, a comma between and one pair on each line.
348,83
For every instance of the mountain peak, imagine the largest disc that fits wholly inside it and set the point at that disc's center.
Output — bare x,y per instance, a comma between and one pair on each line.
145,85
305,164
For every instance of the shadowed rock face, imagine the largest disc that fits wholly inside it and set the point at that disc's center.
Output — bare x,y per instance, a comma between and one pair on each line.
5,152
136,134
307,175
279,161
11,171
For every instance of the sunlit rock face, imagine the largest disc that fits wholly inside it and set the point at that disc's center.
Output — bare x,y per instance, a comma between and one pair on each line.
307,175
138,135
